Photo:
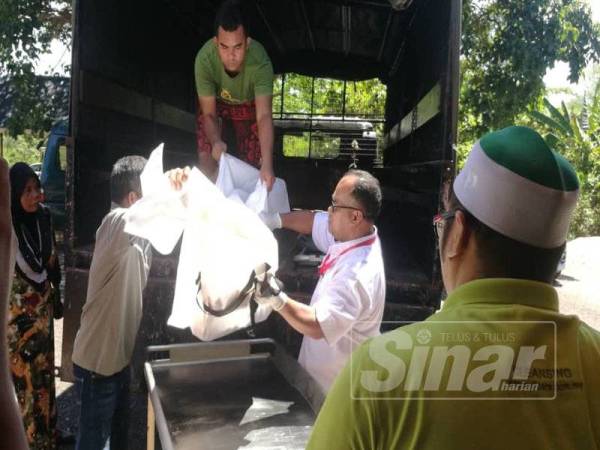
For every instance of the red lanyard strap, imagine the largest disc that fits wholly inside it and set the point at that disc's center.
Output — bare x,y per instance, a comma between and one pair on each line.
328,262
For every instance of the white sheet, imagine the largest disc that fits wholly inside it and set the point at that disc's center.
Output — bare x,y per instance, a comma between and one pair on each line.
223,238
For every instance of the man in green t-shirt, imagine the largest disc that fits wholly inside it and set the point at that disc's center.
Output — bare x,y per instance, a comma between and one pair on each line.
234,83
498,367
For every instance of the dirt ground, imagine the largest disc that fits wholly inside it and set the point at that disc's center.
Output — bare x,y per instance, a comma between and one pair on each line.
68,407
579,284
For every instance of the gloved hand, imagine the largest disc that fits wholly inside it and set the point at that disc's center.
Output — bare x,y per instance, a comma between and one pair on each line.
268,291
271,220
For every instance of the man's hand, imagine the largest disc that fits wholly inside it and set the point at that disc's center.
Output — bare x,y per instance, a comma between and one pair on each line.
178,177
267,176
268,291
218,148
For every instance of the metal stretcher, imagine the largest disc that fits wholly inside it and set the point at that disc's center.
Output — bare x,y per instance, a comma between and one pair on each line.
243,394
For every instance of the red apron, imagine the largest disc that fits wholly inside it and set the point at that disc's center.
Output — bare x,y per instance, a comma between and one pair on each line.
238,124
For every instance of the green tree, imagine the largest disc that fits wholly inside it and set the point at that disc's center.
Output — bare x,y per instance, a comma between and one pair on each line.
577,137
324,97
27,28
507,46
363,98
23,148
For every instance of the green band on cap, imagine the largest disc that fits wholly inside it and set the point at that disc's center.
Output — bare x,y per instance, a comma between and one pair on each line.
523,151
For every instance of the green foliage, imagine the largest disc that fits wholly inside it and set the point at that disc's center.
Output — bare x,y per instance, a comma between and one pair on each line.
295,146
507,48
27,27
22,148
296,90
577,137
322,146
363,98
36,102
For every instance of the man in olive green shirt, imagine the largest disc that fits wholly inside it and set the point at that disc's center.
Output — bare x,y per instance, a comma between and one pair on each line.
498,367
234,83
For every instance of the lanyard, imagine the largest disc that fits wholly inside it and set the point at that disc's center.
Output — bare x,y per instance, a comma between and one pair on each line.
328,262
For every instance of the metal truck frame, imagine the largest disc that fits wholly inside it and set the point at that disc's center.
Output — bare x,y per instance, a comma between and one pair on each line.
133,88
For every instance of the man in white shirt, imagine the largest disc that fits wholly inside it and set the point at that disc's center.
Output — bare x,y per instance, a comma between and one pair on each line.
347,305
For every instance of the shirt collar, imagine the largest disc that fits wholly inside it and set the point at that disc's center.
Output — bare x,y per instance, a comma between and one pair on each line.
339,247
504,291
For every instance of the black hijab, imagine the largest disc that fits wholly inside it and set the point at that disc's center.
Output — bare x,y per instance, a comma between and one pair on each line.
33,230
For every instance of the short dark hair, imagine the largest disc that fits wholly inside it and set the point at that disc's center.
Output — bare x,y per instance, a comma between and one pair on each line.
367,192
230,16
504,257
125,177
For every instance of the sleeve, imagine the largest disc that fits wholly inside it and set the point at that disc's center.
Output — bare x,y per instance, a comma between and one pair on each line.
590,356
321,236
263,84
132,240
339,305
206,85
129,242
345,421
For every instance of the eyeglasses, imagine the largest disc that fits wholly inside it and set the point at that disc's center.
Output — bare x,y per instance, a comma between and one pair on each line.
333,207
439,221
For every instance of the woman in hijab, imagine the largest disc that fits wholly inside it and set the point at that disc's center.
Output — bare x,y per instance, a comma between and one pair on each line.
31,310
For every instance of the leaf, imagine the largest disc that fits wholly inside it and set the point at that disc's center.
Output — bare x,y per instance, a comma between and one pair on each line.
561,120
548,121
566,114
507,47
551,140
579,135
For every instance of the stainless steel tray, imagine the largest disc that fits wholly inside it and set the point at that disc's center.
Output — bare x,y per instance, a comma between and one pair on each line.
228,395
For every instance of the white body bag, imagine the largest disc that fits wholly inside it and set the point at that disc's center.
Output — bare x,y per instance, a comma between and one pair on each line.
223,240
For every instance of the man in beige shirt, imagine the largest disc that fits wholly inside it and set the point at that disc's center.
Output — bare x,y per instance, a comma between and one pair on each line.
111,316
